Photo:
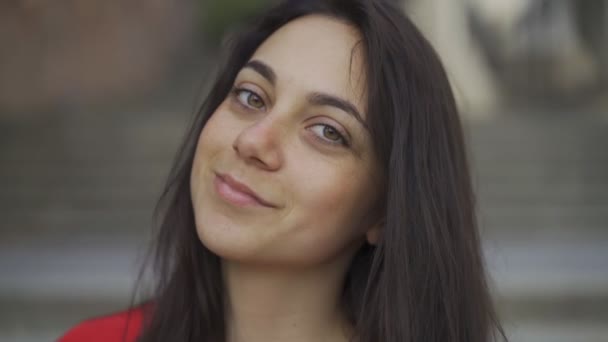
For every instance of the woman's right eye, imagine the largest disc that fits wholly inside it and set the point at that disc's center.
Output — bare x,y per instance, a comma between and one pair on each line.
248,98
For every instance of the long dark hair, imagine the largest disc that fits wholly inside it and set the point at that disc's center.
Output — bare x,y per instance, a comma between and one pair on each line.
425,279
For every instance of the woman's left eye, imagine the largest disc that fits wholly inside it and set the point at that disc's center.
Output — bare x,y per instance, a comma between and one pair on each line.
249,98
329,134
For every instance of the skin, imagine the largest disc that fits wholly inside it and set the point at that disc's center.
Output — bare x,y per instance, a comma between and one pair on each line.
284,266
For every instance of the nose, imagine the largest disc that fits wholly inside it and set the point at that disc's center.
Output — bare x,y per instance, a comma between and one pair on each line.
260,144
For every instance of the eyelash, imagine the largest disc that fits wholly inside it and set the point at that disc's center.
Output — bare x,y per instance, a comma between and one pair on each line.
236,92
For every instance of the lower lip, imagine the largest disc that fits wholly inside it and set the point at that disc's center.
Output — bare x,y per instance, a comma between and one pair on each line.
234,196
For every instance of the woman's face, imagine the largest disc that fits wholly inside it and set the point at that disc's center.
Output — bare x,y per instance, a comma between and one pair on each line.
293,132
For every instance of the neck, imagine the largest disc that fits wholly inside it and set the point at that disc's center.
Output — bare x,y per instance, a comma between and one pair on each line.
288,305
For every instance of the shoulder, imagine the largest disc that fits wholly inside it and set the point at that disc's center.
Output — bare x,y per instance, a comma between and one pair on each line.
118,327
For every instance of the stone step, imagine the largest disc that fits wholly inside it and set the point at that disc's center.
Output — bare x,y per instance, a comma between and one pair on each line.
39,320
133,188
537,285
102,265
46,319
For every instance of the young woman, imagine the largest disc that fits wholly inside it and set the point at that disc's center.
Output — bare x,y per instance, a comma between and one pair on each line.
322,194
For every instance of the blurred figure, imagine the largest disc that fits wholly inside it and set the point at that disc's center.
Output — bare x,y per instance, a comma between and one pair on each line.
543,49
553,52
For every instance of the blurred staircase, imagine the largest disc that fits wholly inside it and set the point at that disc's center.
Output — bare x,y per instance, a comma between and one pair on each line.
542,184
78,189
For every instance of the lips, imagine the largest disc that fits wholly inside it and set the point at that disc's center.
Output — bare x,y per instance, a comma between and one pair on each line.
238,193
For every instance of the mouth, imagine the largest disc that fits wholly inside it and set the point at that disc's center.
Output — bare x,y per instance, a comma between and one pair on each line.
237,193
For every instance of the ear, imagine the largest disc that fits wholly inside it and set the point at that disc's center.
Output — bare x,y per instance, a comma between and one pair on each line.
373,234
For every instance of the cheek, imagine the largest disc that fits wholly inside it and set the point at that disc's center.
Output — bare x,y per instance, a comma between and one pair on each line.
197,174
333,203
333,187
213,139
216,133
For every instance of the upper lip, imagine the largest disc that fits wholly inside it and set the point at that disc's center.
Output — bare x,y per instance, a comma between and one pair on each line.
243,188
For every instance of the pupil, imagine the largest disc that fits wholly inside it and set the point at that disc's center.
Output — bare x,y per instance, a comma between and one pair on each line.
254,101
331,133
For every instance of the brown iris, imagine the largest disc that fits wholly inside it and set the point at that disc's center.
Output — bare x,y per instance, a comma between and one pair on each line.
255,101
331,133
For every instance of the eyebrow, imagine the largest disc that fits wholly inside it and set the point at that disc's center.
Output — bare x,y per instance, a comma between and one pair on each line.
262,69
322,99
316,98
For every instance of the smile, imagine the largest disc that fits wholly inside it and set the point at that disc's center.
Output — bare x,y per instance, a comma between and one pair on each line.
237,193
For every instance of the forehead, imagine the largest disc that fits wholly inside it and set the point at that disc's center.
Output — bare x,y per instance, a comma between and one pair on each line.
317,53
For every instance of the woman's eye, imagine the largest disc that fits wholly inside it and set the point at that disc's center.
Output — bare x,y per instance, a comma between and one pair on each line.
249,99
329,134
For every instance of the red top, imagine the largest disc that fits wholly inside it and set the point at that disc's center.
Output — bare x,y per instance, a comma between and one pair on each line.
111,328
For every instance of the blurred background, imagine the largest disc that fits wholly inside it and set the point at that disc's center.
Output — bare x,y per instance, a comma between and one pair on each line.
95,97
